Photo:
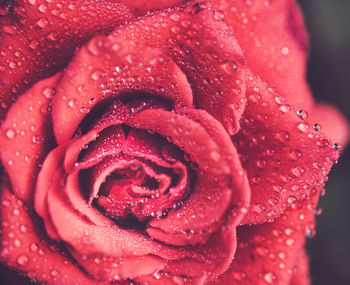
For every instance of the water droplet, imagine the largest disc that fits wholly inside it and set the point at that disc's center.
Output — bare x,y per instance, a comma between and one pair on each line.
175,29
16,212
261,250
215,155
42,23
256,179
295,154
290,241
269,277
85,110
238,275
261,163
303,114
11,30
318,211
97,74
285,108
303,127
288,231
291,199
34,247
43,8
39,139
282,136
298,171
229,67
71,103
23,228
219,15
317,127
52,36
259,208
17,242
33,44
285,51
10,133
322,143
22,260
280,100
12,64
54,273
94,46
336,146
175,17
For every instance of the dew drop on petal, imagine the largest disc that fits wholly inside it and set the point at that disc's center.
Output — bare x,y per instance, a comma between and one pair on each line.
238,275
22,260
303,127
43,8
34,247
303,114
269,277
290,242
10,133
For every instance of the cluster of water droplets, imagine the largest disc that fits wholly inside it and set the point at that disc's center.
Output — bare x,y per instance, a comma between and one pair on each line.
19,247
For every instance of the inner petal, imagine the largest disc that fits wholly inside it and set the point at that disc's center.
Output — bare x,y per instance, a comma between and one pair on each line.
146,179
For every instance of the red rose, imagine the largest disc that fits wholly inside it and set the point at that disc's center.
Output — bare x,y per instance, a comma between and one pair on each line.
173,149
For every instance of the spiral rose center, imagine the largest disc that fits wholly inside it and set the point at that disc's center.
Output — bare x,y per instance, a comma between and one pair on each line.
130,172
141,188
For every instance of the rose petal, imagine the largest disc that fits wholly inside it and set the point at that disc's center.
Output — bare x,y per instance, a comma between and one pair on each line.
114,269
274,40
118,115
108,241
332,123
217,253
106,68
110,141
26,137
144,150
79,203
39,37
285,158
87,238
24,248
205,50
161,279
198,212
44,180
141,7
301,271
267,253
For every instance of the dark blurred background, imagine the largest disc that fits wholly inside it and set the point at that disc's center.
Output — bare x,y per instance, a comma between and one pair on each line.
328,22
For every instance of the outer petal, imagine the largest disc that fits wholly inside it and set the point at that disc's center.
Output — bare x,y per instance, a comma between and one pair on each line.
274,40
26,137
141,7
205,50
39,37
24,247
115,269
285,157
301,271
268,253
332,123
106,68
